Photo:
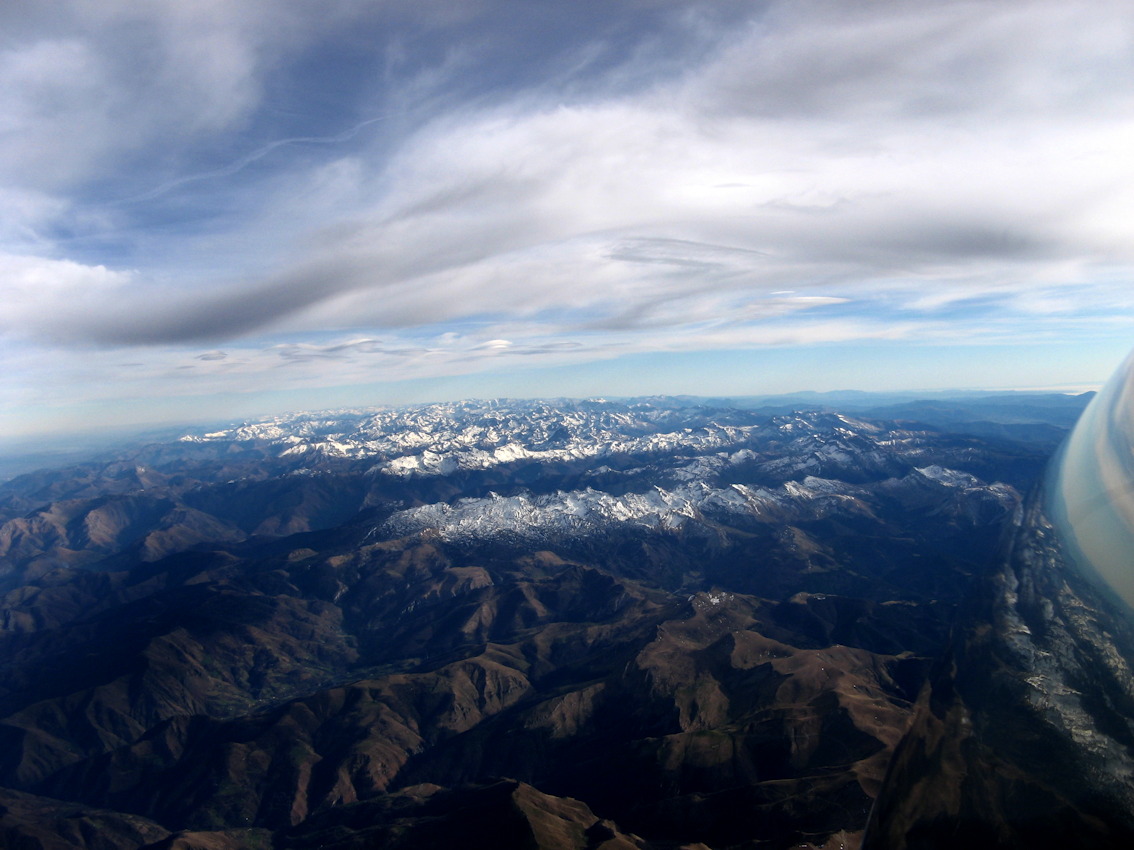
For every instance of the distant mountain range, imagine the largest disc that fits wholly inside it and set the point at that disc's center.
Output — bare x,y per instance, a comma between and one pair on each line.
974,409
593,624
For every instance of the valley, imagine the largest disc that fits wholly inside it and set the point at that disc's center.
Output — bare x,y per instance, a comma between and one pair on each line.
574,624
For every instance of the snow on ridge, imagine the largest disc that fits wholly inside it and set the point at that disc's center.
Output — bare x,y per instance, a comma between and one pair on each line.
1000,491
583,446
440,439
527,515
581,511
948,477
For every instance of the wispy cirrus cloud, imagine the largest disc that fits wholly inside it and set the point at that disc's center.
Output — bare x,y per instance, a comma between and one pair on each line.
338,189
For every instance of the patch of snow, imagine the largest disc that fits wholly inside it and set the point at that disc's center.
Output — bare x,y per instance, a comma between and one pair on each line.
948,477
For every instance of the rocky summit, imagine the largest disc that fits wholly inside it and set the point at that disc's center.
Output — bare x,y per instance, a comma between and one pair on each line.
570,624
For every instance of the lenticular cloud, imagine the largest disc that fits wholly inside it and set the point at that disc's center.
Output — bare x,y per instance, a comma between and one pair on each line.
1091,488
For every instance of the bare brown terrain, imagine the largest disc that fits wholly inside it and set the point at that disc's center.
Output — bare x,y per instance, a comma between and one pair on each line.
267,662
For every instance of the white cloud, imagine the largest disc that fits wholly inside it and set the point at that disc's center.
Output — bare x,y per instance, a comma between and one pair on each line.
814,172
848,153
45,297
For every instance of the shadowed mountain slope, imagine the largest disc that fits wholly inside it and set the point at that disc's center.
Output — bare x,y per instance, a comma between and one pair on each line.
592,625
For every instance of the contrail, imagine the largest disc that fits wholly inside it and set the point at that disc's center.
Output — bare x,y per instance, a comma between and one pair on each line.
248,159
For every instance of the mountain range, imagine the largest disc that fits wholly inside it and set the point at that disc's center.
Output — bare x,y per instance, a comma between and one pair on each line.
597,624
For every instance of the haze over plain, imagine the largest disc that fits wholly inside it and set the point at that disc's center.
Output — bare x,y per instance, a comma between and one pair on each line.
226,209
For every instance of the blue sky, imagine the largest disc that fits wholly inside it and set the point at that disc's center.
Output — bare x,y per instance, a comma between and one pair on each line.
219,209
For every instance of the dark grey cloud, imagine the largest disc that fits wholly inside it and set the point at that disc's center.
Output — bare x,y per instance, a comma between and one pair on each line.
683,253
569,178
882,61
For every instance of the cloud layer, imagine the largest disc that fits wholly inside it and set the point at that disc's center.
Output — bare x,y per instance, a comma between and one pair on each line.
360,185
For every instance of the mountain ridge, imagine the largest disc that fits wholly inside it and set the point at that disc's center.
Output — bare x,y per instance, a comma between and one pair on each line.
711,630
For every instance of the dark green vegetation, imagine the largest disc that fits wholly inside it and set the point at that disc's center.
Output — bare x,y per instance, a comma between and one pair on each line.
217,645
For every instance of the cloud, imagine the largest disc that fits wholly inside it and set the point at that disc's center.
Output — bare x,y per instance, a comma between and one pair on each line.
92,83
887,61
340,188
43,296
248,159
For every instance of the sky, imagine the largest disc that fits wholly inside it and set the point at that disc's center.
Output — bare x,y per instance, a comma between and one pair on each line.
228,208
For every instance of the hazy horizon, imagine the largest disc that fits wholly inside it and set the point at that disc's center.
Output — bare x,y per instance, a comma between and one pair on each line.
24,453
